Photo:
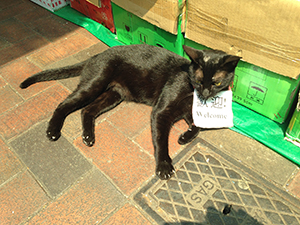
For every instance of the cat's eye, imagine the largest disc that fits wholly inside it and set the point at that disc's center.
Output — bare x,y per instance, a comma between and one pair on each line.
218,84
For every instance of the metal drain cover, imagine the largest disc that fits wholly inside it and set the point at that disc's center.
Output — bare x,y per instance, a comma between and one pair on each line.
206,181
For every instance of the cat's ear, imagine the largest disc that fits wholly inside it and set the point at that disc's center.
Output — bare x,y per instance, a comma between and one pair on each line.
193,54
231,62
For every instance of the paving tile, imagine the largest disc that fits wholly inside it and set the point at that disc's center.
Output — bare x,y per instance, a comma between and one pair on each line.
91,51
8,98
87,34
118,157
72,126
30,112
71,60
144,139
89,202
181,125
56,165
9,164
132,118
251,153
52,28
128,214
294,186
21,48
70,83
20,198
5,4
61,49
32,16
4,43
17,71
14,31
2,81
14,7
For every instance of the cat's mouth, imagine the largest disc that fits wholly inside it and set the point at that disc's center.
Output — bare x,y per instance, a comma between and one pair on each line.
206,93
202,98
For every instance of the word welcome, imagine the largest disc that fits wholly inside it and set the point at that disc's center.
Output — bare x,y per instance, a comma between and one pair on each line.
212,116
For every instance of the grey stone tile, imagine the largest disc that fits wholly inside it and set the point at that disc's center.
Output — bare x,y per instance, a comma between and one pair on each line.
55,165
251,153
70,83
64,62
91,51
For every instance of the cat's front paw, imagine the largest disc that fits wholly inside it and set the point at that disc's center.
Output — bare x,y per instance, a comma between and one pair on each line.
88,140
164,170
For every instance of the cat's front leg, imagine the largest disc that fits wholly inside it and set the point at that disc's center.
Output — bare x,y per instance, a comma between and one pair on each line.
160,128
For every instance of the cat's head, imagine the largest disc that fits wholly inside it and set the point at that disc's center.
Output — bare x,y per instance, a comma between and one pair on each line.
211,71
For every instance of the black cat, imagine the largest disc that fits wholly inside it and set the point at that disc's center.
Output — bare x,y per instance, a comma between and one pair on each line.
143,74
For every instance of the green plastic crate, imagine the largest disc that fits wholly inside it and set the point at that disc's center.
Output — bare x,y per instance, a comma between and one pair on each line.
261,90
193,44
131,29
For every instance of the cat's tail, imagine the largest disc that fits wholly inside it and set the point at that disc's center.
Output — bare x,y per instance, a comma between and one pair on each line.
54,74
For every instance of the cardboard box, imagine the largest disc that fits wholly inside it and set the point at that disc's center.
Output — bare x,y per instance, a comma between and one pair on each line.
52,5
80,6
95,2
263,91
101,12
264,33
293,130
161,13
131,29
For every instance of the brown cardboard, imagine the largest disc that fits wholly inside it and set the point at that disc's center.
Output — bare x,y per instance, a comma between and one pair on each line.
265,33
161,13
95,2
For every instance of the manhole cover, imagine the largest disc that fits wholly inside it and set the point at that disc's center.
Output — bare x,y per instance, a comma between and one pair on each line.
205,183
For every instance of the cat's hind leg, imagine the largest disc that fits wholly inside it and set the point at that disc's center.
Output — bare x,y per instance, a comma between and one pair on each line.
81,97
186,114
192,131
105,102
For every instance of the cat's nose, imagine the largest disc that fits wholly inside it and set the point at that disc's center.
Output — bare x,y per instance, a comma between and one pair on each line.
206,93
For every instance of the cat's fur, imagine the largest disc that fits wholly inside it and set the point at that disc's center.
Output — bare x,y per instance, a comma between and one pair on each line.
143,74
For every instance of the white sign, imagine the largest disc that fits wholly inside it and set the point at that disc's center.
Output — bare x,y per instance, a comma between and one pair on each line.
216,112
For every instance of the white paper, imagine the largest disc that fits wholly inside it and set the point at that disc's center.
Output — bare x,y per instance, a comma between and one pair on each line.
215,113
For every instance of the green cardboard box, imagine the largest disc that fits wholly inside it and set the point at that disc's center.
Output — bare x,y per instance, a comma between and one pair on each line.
263,91
131,29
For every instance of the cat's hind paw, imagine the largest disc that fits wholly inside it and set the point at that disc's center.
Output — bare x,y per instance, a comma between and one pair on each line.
164,170
189,135
88,140
53,136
